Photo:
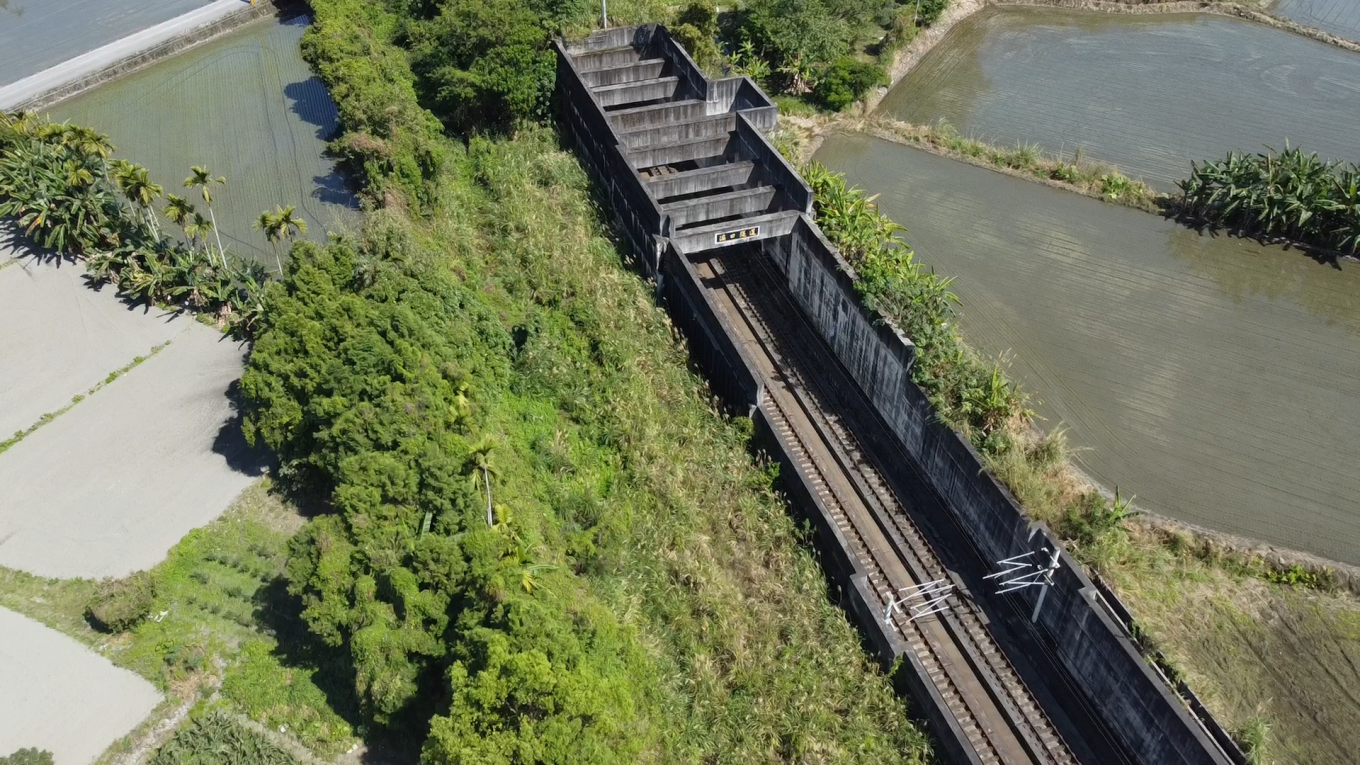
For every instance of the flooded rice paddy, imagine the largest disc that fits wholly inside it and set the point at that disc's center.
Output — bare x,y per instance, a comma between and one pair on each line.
37,34
1214,377
248,107
1146,93
1340,17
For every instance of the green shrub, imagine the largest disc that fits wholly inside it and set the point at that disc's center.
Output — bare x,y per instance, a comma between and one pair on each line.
120,604
930,11
390,142
798,38
696,28
484,64
217,739
28,757
1288,194
846,82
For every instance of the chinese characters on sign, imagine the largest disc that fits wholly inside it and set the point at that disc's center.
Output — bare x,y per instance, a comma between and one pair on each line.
732,236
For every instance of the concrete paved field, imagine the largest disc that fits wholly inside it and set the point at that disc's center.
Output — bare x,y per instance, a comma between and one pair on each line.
68,336
39,34
58,695
108,486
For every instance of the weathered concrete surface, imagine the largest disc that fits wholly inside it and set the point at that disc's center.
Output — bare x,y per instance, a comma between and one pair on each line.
60,338
108,487
56,694
59,41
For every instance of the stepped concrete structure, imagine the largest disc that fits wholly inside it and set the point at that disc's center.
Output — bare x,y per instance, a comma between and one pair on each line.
687,151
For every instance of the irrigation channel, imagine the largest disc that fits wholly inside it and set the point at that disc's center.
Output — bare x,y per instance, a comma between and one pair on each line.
245,105
1148,93
1212,376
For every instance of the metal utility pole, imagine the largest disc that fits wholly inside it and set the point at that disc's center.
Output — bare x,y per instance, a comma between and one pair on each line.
604,13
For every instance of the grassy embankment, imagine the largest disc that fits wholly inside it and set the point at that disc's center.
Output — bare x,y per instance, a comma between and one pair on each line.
1271,648
639,586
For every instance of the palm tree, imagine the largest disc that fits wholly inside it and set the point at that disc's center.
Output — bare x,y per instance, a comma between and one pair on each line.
179,211
198,227
202,180
281,224
482,464
135,183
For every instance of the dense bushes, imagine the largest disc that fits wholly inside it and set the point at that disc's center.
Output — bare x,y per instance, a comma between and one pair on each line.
390,143
846,82
119,604
58,183
484,63
1287,195
371,379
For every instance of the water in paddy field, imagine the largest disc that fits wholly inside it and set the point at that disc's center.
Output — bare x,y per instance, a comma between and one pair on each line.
246,106
37,34
1146,93
1339,17
1214,377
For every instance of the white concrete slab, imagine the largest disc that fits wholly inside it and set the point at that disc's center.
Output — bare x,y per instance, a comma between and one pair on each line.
71,27
59,338
58,695
108,487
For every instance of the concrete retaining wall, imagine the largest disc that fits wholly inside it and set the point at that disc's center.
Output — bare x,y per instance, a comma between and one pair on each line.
1095,650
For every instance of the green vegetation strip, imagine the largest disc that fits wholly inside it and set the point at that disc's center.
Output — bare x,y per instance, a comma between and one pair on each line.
1093,179
50,416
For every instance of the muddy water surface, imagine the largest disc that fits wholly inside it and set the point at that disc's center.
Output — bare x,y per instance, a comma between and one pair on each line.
1215,378
1340,17
37,34
1147,93
248,107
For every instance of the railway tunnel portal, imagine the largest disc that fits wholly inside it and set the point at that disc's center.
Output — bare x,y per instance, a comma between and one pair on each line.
1009,651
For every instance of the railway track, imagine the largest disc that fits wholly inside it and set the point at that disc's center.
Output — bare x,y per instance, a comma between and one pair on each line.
815,415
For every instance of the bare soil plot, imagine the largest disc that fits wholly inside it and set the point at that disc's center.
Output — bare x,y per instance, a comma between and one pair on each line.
58,695
1148,93
58,338
1212,377
248,107
37,34
108,487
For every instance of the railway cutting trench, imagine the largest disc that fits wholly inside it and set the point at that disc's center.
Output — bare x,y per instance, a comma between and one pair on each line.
698,191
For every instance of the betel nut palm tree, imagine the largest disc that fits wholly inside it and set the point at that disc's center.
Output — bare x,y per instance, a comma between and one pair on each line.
180,211
202,180
135,183
280,225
